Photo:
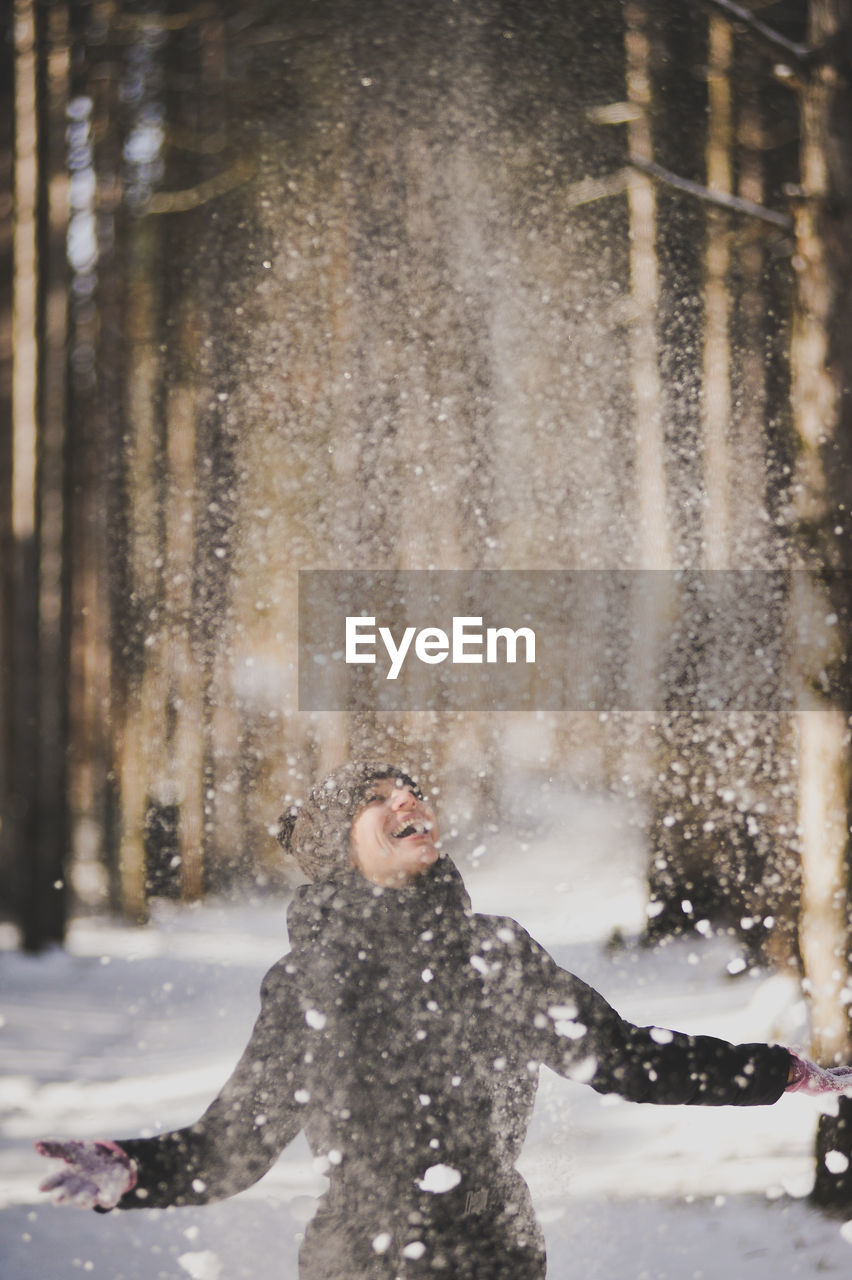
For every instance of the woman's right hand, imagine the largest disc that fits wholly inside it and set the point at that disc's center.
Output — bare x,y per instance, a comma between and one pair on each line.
97,1173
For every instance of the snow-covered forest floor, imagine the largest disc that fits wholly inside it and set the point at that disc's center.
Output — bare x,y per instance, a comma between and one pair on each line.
132,1029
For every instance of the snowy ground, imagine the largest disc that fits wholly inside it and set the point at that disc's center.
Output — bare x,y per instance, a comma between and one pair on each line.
137,1028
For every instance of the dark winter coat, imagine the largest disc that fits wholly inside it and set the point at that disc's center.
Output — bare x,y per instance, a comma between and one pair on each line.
403,1032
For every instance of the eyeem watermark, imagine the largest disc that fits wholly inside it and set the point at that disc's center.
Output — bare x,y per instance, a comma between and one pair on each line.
573,640
463,644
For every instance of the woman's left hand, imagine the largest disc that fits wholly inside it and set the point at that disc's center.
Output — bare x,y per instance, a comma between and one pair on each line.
807,1077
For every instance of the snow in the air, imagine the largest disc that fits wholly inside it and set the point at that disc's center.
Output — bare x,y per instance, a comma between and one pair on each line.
131,1030
439,1178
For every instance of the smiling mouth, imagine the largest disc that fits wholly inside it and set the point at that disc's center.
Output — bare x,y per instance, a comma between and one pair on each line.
412,829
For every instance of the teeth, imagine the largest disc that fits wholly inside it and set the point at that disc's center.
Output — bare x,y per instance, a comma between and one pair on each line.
410,829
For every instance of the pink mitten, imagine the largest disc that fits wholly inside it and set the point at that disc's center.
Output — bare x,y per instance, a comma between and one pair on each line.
98,1173
809,1078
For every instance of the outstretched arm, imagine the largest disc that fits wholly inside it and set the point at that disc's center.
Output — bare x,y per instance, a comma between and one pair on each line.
577,1033
654,1064
238,1138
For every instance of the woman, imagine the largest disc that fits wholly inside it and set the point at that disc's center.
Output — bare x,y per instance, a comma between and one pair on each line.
404,1034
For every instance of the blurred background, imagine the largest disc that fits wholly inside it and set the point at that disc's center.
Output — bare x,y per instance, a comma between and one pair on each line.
381,285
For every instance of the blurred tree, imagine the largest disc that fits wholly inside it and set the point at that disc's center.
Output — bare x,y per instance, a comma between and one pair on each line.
96,427
33,796
7,277
822,508
817,63
721,811
652,516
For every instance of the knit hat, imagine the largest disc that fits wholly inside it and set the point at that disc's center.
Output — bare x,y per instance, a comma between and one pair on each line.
316,832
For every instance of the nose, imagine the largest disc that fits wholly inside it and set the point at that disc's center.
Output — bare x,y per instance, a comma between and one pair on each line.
402,798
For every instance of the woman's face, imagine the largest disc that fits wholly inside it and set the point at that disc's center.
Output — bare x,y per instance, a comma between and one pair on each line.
393,837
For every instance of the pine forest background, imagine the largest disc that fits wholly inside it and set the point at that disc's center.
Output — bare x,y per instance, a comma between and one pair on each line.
454,284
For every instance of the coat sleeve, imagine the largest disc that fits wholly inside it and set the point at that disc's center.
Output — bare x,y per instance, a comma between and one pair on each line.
243,1131
575,1032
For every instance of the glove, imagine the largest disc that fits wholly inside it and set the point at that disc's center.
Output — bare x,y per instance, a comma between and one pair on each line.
98,1173
809,1078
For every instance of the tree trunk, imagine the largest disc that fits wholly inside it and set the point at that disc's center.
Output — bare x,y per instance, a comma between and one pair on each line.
717,534
7,280
53,523
23,701
35,660
822,374
140,646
